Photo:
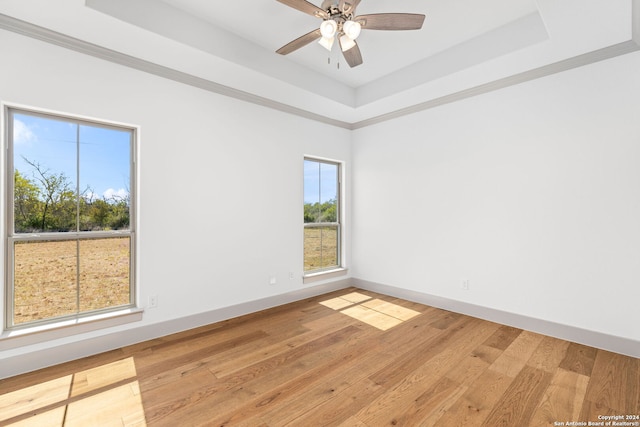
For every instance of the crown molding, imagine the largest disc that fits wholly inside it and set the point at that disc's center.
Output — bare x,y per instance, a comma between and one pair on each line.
536,73
43,34
55,38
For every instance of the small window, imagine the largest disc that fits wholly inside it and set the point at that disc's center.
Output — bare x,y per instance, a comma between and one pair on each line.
70,228
322,228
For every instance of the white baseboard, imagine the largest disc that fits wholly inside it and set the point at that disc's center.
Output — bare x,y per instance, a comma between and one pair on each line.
62,353
600,340
57,354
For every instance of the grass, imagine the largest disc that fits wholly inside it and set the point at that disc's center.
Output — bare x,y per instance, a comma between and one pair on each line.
320,248
46,277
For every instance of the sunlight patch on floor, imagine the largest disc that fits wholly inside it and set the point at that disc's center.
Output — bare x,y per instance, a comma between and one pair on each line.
372,317
30,399
121,403
105,395
103,376
54,417
372,311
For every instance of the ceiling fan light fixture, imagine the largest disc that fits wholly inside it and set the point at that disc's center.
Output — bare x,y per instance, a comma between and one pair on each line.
327,42
352,29
328,28
340,20
346,42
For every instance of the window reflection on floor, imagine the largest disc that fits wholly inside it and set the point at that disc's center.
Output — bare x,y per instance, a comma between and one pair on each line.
105,395
375,312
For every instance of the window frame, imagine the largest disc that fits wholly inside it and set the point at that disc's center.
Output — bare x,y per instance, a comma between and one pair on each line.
10,237
339,268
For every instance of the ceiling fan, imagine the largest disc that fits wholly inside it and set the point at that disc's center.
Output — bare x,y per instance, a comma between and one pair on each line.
341,22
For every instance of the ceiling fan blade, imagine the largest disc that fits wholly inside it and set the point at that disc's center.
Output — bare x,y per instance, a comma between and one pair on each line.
306,7
299,42
352,56
391,21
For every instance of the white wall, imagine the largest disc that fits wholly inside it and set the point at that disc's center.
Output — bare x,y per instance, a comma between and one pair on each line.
232,168
532,193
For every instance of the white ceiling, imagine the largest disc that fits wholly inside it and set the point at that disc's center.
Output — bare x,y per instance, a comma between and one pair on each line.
271,24
465,47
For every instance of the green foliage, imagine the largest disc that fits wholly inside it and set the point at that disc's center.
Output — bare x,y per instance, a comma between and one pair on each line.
104,214
321,212
99,213
26,203
46,203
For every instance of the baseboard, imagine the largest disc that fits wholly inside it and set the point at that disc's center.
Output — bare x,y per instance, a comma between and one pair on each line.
62,353
600,340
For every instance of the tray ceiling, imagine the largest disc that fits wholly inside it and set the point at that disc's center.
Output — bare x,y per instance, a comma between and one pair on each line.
466,47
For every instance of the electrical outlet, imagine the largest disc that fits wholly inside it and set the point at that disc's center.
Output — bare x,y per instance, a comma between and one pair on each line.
272,280
291,275
153,301
465,284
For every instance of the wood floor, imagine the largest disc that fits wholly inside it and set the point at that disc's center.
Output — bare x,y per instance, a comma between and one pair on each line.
351,358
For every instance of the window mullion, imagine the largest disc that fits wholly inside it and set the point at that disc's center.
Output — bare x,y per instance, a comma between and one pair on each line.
77,218
318,218
77,177
77,276
319,192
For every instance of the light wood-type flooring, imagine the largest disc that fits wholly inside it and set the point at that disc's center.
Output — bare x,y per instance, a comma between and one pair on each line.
350,358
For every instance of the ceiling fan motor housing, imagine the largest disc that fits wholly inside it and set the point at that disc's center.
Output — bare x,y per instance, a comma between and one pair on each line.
327,4
333,9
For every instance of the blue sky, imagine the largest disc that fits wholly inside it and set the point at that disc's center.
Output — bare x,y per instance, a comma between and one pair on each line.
320,181
104,153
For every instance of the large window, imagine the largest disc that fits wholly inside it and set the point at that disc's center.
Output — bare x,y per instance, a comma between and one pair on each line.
70,228
322,229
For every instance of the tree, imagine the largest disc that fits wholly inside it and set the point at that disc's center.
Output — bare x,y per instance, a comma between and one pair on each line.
99,213
48,203
26,201
321,212
119,214
57,198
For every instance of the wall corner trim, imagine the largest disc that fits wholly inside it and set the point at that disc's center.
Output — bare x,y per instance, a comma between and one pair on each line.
635,24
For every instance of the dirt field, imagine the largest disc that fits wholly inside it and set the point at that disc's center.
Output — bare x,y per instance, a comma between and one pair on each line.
320,248
46,276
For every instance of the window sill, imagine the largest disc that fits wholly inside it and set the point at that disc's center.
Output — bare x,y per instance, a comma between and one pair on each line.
324,275
65,328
